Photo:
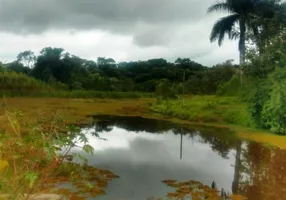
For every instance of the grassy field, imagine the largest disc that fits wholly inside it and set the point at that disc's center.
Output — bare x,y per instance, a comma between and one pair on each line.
206,109
73,111
202,110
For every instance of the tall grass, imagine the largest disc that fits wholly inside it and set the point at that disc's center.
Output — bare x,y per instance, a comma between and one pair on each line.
14,84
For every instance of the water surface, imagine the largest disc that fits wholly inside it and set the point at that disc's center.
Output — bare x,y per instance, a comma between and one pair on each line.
143,152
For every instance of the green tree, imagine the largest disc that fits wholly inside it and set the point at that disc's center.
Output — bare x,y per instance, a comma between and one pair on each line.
50,60
242,13
166,90
2,67
27,58
270,23
18,67
267,101
188,63
105,61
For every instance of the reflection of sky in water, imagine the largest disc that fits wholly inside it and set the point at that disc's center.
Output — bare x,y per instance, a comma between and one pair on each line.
143,160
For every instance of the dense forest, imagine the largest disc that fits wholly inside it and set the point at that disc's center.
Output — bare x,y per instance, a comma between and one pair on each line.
69,72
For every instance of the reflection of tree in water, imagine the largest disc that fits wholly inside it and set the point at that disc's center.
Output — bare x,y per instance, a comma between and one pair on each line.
135,124
221,140
103,126
262,172
258,170
237,168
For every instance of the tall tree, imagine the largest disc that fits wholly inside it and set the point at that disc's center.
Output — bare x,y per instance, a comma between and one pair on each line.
27,58
242,15
269,24
105,61
49,65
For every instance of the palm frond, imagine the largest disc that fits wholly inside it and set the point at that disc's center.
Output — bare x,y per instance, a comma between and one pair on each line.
224,26
234,35
220,6
253,24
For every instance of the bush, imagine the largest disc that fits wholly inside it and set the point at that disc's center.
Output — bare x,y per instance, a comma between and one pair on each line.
257,100
274,109
166,90
230,88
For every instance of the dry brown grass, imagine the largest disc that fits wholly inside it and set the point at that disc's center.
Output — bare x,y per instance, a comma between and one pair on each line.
73,111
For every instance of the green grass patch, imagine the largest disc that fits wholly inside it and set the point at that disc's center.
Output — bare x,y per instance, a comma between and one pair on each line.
214,109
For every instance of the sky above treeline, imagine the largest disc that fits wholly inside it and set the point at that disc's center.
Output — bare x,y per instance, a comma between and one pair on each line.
126,30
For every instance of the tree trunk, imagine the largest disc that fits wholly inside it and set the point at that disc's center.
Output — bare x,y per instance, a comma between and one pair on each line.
241,47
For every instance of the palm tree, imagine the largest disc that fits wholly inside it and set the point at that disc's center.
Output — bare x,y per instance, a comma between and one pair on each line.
242,14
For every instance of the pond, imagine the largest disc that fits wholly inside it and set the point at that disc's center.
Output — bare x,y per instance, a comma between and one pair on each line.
144,152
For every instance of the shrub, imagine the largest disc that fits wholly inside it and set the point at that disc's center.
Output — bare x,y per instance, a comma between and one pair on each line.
230,88
274,109
166,90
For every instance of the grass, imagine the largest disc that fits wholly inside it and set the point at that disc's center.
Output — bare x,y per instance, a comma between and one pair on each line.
73,111
206,109
12,83
265,138
83,94
96,94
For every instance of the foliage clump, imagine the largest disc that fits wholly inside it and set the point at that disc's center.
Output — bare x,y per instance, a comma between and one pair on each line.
33,158
267,100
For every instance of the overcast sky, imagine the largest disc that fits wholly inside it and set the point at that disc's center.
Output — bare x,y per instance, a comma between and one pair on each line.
122,29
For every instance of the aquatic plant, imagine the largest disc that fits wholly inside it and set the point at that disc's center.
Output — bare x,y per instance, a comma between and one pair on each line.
197,191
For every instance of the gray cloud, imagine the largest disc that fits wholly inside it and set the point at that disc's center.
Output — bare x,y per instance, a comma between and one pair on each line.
138,29
157,36
30,16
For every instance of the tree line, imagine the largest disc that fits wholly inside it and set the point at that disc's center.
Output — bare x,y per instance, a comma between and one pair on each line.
69,72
